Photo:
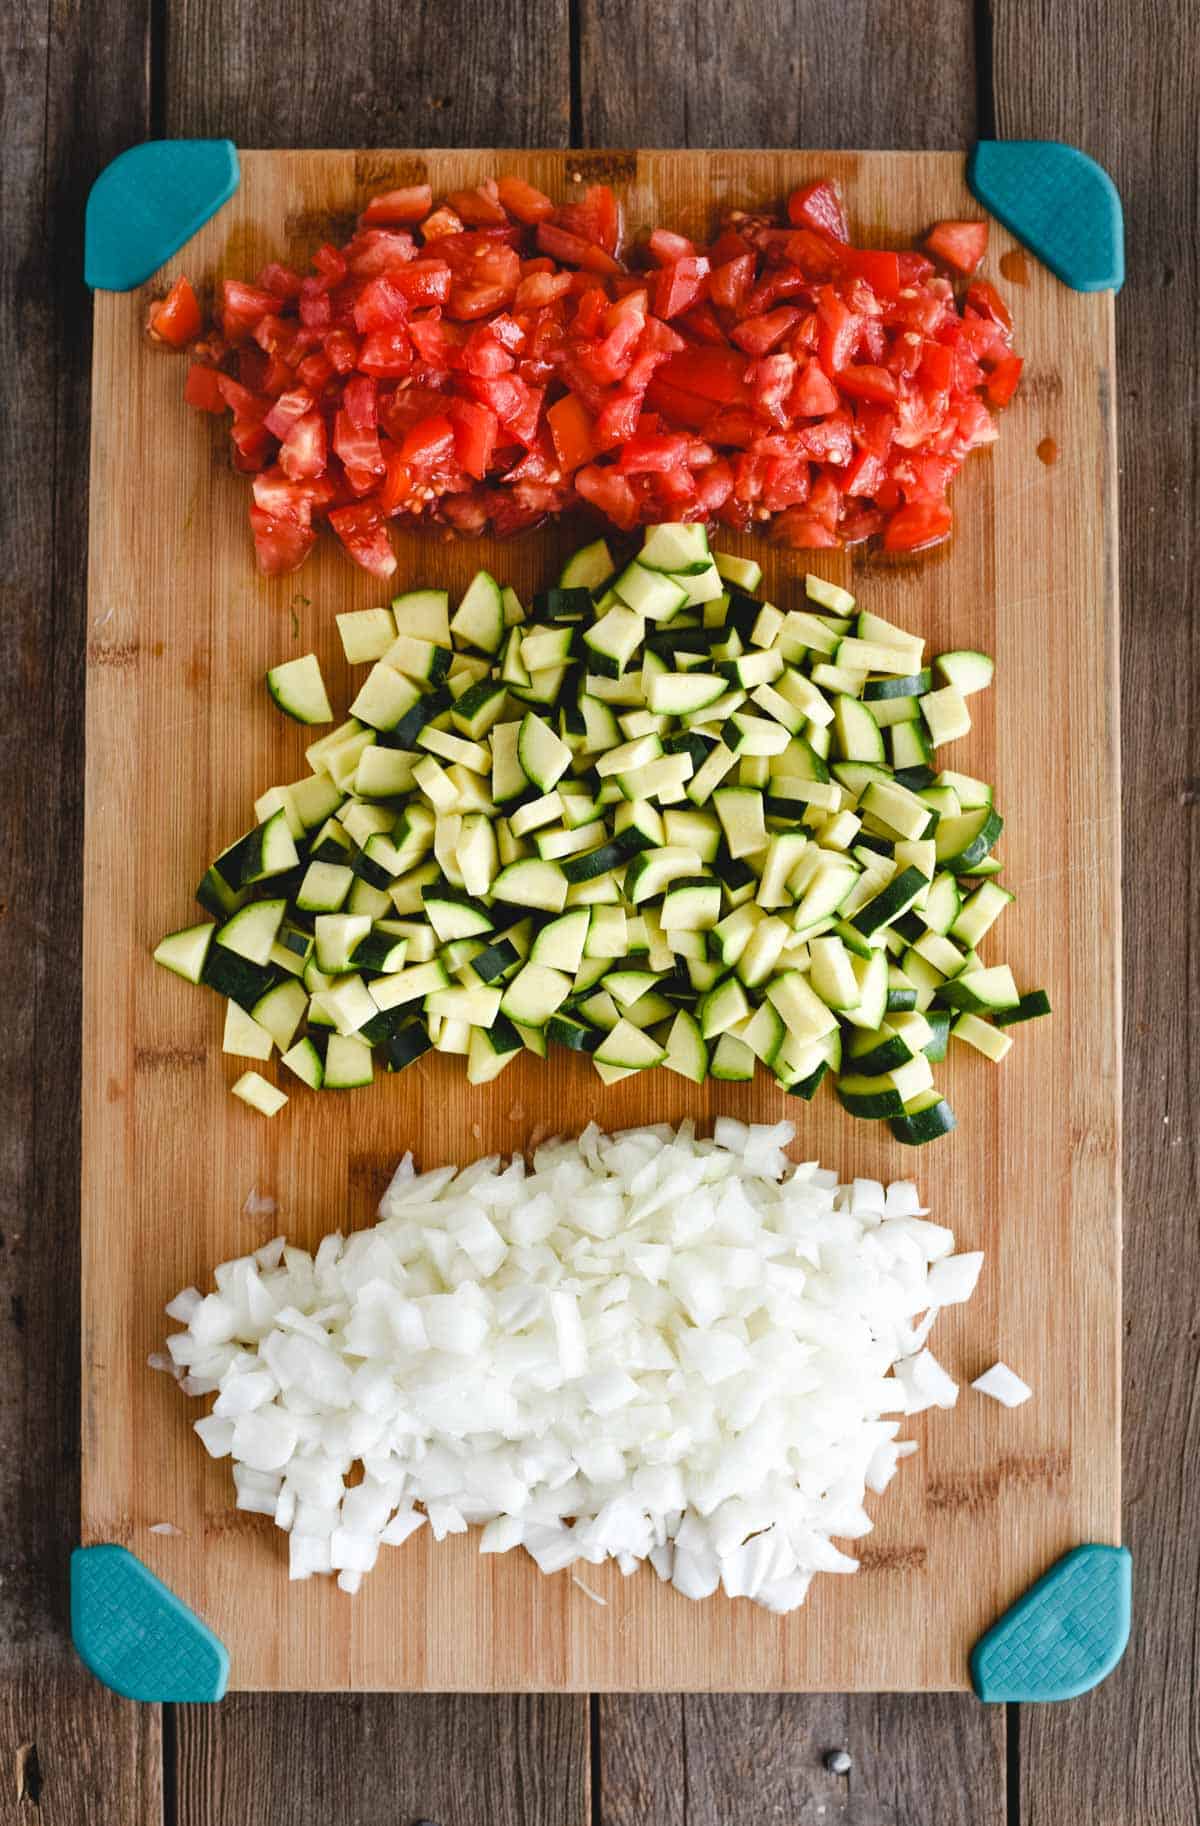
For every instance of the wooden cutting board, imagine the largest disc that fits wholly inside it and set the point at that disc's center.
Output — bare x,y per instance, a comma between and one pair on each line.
180,739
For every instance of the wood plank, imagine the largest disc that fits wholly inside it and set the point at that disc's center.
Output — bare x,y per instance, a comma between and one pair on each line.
448,1761
743,73
67,112
712,1758
440,75
893,94
1019,1487
1075,1760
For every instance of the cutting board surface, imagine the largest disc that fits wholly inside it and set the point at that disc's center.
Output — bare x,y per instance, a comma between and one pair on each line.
181,738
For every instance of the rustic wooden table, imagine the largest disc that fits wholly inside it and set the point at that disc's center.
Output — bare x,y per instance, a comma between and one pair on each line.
81,80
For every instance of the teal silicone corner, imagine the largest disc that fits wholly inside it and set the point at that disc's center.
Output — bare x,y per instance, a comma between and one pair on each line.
136,1636
1064,1636
1060,203
148,202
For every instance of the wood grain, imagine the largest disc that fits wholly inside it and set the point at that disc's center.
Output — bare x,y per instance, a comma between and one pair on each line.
995,1496
792,70
712,1758
69,1752
368,1758
312,75
1077,1762
744,73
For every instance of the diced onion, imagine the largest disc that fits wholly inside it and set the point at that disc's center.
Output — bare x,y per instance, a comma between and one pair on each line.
1003,1385
645,1347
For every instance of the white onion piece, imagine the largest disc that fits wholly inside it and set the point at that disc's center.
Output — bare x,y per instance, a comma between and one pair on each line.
1003,1385
638,1347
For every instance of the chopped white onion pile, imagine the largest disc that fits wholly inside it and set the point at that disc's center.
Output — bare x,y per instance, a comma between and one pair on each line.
1003,1385
649,1347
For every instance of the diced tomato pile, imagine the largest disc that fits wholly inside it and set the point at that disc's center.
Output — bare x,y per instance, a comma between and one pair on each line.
498,359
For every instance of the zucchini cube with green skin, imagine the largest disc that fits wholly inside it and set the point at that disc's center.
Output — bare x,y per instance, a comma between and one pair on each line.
926,1117
253,1089
534,994
692,903
348,1063
732,1061
366,634
479,619
305,1061
613,641
298,689
803,1012
384,698
185,952
946,715
244,1038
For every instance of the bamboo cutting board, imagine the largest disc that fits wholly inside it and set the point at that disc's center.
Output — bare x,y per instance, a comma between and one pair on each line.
181,738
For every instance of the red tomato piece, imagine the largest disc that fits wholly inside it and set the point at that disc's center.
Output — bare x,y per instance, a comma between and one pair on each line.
361,403
818,206
279,545
617,420
330,263
713,374
381,305
478,208
596,217
571,430
397,208
280,280
729,283
202,389
286,410
359,452
667,246
442,222
176,318
813,394
915,527
537,290
302,454
378,250
386,354
523,201
1002,381
758,335
881,271
837,337
242,306
429,444
983,297
610,493
653,452
475,432
679,286
573,250
960,245
362,531
866,382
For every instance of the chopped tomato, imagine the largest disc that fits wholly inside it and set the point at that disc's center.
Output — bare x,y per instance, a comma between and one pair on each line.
913,528
573,250
961,245
1002,381
176,318
202,388
395,208
362,531
490,362
818,206
571,429
523,201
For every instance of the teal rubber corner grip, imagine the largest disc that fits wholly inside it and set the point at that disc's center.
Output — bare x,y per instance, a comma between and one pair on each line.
1064,1636
1059,202
136,1636
148,203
